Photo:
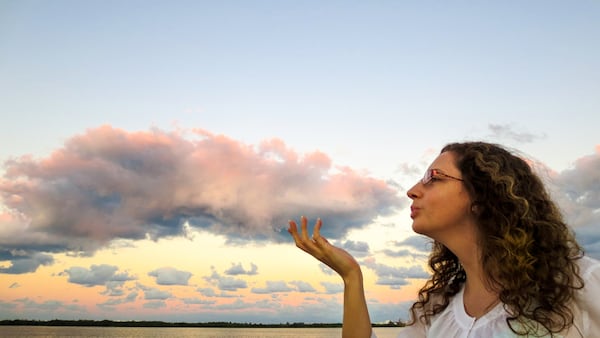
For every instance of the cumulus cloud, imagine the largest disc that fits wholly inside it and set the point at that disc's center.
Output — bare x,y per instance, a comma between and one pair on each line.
415,247
332,288
225,283
152,294
356,248
210,292
108,184
170,276
417,242
272,287
395,277
302,286
238,269
96,275
130,298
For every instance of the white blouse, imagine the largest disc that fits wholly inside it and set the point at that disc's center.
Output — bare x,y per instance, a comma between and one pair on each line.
454,322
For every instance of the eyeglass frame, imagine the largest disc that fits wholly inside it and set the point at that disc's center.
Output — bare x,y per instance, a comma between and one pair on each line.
430,174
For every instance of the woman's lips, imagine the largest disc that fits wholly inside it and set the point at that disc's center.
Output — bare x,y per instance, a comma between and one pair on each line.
414,211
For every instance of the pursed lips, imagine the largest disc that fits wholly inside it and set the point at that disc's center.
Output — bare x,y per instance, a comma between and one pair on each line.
414,211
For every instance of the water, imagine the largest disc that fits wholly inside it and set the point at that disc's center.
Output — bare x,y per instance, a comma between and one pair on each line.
167,332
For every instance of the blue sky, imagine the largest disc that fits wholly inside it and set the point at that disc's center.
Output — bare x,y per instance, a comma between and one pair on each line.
377,87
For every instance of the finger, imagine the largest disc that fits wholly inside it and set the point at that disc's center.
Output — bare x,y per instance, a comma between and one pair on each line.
292,229
317,238
317,230
303,228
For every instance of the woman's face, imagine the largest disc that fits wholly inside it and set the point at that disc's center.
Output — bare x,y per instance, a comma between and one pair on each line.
441,208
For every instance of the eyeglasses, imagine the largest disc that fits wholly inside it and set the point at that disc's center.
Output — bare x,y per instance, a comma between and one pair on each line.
431,174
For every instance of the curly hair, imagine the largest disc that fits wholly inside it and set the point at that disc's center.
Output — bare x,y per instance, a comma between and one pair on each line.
528,253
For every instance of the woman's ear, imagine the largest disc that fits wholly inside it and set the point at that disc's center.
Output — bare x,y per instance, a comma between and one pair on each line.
475,208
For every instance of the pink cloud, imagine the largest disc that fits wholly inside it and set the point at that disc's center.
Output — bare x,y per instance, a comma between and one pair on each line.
109,183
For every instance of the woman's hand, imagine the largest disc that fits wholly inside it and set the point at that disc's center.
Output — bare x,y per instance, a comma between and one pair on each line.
356,322
318,246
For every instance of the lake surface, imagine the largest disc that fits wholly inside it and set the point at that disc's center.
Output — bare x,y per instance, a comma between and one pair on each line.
139,332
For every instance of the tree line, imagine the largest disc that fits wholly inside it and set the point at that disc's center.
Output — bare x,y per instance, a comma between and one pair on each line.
144,323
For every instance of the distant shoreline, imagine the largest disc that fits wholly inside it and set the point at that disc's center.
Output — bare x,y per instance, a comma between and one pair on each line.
144,323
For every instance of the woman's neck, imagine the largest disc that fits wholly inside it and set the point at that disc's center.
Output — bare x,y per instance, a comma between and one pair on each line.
479,296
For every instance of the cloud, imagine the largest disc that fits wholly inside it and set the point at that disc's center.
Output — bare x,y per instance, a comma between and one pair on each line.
332,288
395,277
238,269
198,301
225,283
170,276
272,287
302,286
159,304
356,248
419,243
152,294
113,289
97,275
209,292
109,184
507,132
52,309
577,191
130,298
24,263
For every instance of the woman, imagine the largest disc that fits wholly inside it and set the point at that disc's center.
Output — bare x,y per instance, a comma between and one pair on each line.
504,262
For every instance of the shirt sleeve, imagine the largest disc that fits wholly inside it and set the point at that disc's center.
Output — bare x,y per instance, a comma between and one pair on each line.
416,330
411,331
589,301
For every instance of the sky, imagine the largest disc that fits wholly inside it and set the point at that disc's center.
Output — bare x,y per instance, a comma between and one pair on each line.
152,152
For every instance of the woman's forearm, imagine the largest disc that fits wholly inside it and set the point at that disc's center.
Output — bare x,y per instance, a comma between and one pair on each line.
356,322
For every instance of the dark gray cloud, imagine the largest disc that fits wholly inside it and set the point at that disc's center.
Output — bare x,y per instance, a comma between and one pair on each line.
170,276
108,184
25,262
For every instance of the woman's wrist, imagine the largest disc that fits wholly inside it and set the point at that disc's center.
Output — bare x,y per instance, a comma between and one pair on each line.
353,277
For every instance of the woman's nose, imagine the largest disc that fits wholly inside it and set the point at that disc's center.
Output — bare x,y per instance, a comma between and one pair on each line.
413,192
